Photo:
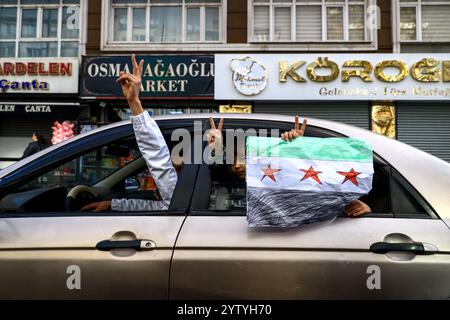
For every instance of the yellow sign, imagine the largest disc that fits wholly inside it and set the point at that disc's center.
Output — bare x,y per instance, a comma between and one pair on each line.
383,119
246,108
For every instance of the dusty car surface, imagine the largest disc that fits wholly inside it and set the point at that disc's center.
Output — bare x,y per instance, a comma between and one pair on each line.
199,250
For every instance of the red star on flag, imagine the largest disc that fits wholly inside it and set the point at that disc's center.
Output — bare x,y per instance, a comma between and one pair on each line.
310,173
269,172
350,175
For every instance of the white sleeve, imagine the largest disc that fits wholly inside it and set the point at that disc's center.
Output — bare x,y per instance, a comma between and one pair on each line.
136,205
154,149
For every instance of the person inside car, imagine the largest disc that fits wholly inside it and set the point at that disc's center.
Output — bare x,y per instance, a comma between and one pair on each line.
152,146
238,167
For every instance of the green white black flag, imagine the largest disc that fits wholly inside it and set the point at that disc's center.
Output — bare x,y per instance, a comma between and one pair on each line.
305,180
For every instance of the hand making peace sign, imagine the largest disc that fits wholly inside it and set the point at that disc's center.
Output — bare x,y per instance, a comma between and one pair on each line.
215,135
296,132
131,83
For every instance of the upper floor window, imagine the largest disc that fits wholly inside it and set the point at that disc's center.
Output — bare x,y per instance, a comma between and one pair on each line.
165,21
424,20
39,28
309,20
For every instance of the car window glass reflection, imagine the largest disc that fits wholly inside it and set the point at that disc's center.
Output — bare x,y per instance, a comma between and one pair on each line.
389,194
87,169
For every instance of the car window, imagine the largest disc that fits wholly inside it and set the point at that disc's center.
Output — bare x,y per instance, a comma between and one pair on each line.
405,200
88,168
391,195
226,195
227,192
378,198
114,170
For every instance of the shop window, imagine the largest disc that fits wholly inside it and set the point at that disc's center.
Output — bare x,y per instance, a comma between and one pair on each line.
308,21
424,20
40,28
165,21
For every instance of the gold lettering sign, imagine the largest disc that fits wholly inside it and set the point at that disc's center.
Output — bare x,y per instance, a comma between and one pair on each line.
401,66
362,74
286,70
426,71
235,108
322,63
446,71
383,119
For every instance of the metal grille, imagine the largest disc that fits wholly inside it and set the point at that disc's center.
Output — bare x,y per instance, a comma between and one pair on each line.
425,126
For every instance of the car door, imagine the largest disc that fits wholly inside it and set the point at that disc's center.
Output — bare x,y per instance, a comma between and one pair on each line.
86,255
401,250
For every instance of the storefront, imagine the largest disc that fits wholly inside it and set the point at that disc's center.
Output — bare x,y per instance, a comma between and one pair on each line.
403,96
34,94
171,84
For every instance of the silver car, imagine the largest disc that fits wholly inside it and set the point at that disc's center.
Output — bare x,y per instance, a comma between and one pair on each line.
199,249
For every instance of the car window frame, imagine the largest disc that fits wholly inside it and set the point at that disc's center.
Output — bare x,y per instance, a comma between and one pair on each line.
202,191
429,213
181,198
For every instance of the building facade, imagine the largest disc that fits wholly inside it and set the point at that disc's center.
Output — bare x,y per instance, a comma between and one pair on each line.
178,39
41,43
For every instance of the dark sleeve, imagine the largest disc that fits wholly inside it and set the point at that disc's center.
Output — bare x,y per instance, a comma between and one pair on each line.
377,204
30,149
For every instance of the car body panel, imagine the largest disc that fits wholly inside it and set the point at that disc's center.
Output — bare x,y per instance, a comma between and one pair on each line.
339,234
221,258
284,274
35,254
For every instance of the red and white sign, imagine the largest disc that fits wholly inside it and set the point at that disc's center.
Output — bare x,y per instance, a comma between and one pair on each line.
39,75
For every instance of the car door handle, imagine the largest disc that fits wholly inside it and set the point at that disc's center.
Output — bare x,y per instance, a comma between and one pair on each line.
139,245
413,247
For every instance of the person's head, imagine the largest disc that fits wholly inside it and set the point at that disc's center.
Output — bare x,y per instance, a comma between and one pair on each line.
238,167
37,137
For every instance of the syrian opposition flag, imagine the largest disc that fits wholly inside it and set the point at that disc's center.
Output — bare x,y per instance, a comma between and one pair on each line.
305,180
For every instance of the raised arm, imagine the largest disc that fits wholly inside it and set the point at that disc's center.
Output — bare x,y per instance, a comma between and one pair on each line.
150,141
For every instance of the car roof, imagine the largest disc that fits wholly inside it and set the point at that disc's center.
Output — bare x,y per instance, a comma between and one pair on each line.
428,174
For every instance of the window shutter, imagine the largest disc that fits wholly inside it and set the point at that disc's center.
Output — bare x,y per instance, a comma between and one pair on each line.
309,23
356,23
335,27
414,123
282,23
261,23
435,23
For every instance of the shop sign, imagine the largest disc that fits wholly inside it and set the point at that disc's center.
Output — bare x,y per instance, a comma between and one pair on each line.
169,76
332,77
39,75
31,108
